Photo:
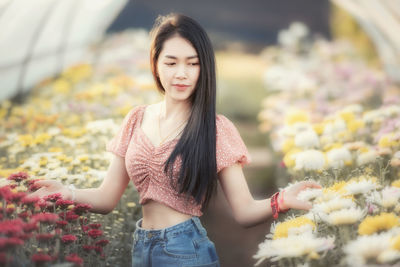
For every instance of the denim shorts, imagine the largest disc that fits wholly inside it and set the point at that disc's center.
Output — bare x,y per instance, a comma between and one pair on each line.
183,245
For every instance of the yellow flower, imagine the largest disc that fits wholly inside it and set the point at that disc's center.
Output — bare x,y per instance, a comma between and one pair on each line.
396,183
338,187
319,128
55,149
396,243
83,158
381,222
131,204
85,168
42,138
289,159
355,125
26,140
347,116
282,229
61,86
288,145
43,161
332,146
387,140
296,116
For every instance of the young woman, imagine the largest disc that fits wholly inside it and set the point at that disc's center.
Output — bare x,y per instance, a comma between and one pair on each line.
175,151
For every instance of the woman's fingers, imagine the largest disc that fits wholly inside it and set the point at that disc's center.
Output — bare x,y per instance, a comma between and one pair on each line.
45,183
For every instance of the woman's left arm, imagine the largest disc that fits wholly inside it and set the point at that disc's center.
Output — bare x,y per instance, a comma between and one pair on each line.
246,210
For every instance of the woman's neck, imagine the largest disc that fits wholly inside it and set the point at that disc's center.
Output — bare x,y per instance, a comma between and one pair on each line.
176,110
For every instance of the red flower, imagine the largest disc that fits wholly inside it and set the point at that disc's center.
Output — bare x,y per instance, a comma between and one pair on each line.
44,237
10,242
11,227
41,258
63,203
74,258
16,197
83,220
30,226
3,258
98,249
45,217
42,204
71,216
82,208
88,248
95,225
85,228
29,201
52,197
95,233
23,215
18,177
5,191
61,224
102,242
25,236
33,187
67,239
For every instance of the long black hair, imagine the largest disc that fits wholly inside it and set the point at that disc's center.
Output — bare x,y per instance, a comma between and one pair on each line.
196,147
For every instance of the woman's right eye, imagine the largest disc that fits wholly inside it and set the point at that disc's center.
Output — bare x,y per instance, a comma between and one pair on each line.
170,63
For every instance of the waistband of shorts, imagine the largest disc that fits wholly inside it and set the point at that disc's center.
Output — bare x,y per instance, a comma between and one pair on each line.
169,231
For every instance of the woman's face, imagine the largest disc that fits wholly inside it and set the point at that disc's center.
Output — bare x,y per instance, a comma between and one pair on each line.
178,68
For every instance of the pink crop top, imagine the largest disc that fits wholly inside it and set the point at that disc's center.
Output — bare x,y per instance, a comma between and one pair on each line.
145,163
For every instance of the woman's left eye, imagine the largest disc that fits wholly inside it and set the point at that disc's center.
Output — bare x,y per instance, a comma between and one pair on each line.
194,64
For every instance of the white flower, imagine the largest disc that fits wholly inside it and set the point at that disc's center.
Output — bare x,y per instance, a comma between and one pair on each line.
367,157
338,157
101,126
376,247
337,126
397,155
360,187
309,160
344,216
388,197
334,204
307,139
309,194
293,246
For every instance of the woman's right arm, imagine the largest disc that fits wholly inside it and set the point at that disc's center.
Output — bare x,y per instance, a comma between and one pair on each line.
102,199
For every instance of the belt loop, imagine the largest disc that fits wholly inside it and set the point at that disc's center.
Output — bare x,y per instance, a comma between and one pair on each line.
162,234
198,225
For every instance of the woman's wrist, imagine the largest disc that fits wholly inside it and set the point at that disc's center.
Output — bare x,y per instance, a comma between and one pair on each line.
72,193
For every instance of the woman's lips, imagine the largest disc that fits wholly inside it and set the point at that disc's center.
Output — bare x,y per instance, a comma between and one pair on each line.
181,86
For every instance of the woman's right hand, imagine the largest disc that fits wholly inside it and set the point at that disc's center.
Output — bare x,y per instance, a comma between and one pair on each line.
49,187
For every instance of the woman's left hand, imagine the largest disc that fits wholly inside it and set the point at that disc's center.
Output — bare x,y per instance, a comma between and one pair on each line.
290,193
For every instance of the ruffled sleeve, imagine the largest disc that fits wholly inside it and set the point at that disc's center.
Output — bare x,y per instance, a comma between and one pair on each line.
230,146
120,142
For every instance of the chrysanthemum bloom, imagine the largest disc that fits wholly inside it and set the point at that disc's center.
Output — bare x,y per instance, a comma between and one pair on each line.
102,242
29,201
309,194
281,230
82,208
61,224
369,249
362,185
53,197
95,225
334,204
18,177
88,248
10,242
74,258
45,217
41,258
396,183
307,139
366,157
5,191
344,216
30,226
44,237
293,246
381,222
95,233
63,203
11,227
339,157
16,197
309,160
387,198
68,239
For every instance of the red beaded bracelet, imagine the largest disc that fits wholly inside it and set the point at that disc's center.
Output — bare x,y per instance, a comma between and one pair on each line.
275,206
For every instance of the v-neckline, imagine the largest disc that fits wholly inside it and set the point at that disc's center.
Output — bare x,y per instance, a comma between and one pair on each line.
147,138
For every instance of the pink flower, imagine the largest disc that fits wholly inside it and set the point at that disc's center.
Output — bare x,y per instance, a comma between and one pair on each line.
98,249
69,216
23,215
95,225
74,258
95,233
11,227
41,258
62,223
29,201
68,239
11,242
44,237
30,226
18,177
88,248
45,217
5,191
63,203
52,197
102,242
16,197
82,208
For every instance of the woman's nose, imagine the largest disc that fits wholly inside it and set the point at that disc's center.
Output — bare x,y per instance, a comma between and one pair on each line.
181,71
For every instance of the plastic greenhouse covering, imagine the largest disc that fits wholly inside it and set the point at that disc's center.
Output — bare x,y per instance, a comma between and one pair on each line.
40,38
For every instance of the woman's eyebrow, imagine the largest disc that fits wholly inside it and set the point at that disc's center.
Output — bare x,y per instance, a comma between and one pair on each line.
174,57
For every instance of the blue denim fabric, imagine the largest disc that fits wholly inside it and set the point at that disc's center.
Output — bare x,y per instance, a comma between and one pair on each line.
183,245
